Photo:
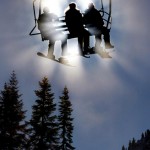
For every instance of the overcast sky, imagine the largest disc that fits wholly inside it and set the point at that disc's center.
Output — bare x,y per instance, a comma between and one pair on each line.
110,97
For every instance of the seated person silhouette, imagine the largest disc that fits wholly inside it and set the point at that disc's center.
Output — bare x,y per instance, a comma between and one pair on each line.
48,31
94,22
74,22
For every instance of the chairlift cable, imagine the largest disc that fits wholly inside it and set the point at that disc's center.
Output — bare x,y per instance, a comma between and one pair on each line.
40,7
102,5
102,8
35,19
34,11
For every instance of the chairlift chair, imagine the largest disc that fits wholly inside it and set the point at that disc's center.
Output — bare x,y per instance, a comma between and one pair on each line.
106,15
107,21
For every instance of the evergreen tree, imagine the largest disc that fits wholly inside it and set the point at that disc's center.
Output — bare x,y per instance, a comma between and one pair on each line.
12,126
65,122
123,148
133,143
142,144
44,130
142,136
130,145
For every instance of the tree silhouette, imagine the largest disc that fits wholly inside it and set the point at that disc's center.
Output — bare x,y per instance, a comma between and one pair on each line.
123,148
65,122
142,144
12,126
43,134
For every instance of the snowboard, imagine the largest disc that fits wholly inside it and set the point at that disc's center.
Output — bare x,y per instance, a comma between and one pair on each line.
63,61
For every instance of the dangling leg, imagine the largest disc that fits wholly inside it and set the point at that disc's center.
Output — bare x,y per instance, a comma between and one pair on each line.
86,42
64,45
106,34
98,40
51,50
80,42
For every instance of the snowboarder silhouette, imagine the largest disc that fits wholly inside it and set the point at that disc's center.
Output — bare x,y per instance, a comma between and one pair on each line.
48,31
74,22
95,24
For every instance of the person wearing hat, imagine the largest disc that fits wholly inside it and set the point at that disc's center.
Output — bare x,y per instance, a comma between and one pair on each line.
46,23
94,22
74,22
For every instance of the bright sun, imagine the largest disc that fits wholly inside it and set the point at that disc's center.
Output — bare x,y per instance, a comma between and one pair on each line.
55,6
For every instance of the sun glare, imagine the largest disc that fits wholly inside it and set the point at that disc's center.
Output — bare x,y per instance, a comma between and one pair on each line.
83,4
72,52
54,6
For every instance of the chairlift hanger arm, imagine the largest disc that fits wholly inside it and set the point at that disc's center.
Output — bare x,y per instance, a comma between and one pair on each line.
103,12
35,19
